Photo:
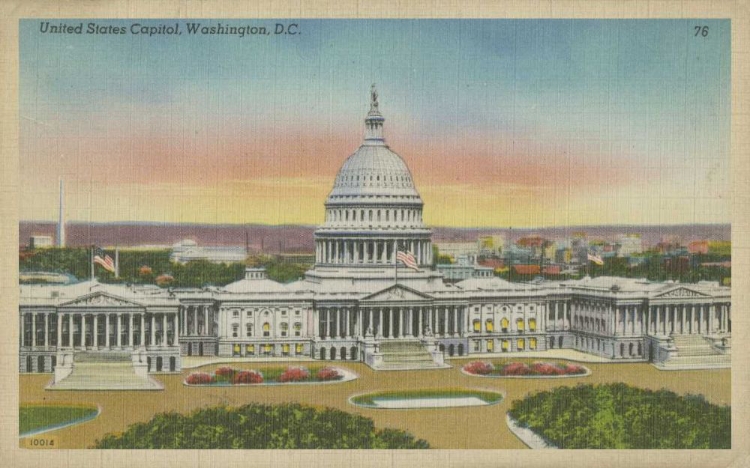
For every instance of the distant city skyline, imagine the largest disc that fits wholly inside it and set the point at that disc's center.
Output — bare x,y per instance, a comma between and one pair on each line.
523,123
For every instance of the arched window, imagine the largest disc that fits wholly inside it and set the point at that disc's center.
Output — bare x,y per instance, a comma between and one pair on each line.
266,329
532,325
477,326
504,324
521,344
489,325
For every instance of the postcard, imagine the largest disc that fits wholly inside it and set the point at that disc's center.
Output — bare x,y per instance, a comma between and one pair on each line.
412,235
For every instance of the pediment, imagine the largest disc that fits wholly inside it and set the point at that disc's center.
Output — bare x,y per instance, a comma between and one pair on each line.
100,299
681,292
397,293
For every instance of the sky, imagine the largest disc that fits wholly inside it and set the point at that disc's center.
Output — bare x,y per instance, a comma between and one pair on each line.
521,123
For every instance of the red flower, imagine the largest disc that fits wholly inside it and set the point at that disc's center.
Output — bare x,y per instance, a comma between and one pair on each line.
328,373
247,377
198,378
225,371
573,369
294,374
479,368
516,368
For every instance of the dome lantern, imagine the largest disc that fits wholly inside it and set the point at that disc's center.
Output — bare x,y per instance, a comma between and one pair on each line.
374,121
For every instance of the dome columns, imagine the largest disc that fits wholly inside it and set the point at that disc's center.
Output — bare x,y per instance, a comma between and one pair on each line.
370,252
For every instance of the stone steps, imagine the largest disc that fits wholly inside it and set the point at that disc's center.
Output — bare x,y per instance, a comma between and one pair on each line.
405,355
112,375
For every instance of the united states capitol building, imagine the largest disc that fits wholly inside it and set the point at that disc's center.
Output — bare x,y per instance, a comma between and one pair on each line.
356,304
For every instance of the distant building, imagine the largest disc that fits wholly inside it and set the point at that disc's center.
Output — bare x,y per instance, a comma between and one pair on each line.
490,245
464,268
40,242
188,251
629,244
698,247
458,249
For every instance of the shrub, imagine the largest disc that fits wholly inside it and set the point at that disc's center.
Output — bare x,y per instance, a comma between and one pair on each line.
294,374
479,368
198,378
257,426
247,377
574,369
328,373
546,368
224,374
516,368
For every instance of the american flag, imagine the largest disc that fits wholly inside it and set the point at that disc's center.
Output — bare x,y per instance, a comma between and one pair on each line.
104,260
407,259
596,259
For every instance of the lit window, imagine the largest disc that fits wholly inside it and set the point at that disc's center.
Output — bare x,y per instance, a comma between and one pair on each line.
489,325
521,344
532,324
490,346
477,326
250,349
299,348
266,329
532,343
285,348
504,324
506,345
519,324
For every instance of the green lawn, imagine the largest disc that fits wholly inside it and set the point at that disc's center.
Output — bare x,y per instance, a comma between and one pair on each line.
33,417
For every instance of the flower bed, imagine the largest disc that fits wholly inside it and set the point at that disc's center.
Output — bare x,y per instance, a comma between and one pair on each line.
520,369
292,374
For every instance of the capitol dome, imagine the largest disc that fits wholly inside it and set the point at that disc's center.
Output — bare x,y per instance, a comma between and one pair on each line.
374,209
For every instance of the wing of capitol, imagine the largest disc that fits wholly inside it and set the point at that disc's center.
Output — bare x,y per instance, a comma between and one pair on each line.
361,302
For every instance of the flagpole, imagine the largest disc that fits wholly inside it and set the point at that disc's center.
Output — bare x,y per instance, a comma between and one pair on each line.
395,264
117,261
92,263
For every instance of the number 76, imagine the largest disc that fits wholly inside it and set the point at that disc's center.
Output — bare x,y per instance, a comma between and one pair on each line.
702,30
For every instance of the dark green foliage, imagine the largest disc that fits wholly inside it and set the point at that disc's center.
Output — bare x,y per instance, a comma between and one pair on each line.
256,426
615,416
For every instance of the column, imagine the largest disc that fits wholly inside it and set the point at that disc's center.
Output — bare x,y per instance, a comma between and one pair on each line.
83,331
349,323
420,328
445,321
455,320
380,333
701,326
143,330
164,329
119,330
70,331
130,330
46,330
33,329
59,331
205,321
95,341
390,322
153,328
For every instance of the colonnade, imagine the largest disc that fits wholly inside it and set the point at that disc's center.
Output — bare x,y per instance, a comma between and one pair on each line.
197,320
559,316
370,252
98,330
390,322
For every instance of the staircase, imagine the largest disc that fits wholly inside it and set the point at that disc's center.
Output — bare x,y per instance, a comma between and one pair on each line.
405,355
695,352
104,371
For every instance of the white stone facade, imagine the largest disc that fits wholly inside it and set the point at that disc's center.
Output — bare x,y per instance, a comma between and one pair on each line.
355,297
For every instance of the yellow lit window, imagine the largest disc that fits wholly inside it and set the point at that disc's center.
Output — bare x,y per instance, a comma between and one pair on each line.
285,348
506,345
237,349
299,348
267,348
532,324
532,343
266,327
521,344
504,324
519,324
477,326
490,346
250,349
489,325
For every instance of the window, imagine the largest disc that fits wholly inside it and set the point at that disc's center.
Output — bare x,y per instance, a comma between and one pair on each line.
285,348
489,325
521,344
532,343
505,345
249,329
249,314
235,313
236,350
297,312
519,324
532,325
267,348
298,348
297,328
235,331
477,346
490,346
266,329
283,312
504,324
477,326
250,349
284,329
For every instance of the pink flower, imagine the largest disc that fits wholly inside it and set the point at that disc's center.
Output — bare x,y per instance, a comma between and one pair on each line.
247,377
516,368
294,374
479,368
225,371
198,378
328,373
